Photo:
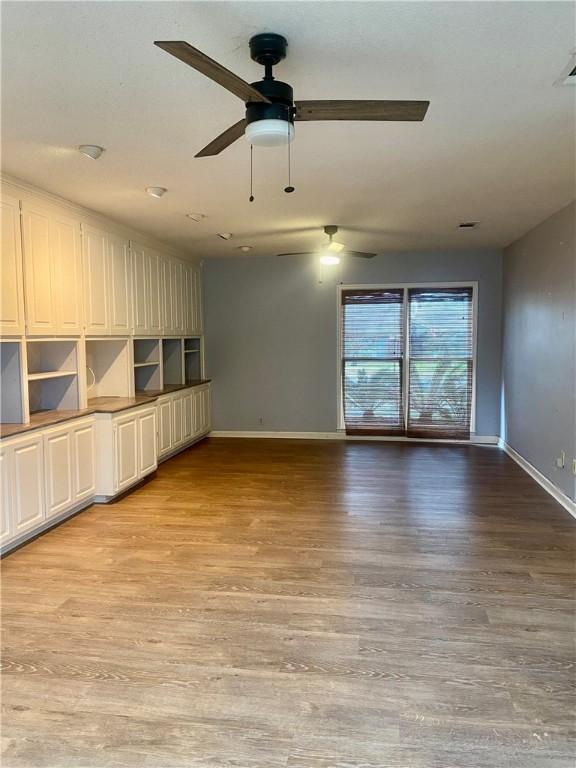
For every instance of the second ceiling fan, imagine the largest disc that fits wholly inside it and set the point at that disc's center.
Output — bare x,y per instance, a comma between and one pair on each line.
270,106
331,252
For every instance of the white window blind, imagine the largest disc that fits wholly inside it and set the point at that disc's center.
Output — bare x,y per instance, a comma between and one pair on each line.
415,381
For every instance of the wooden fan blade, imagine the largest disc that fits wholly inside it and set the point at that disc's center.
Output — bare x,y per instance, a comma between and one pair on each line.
301,253
207,66
229,136
360,110
359,254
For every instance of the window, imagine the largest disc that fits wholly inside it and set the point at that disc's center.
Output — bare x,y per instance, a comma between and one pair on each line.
407,360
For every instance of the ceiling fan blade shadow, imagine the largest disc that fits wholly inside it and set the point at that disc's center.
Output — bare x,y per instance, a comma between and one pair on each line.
359,254
212,69
224,140
301,253
361,110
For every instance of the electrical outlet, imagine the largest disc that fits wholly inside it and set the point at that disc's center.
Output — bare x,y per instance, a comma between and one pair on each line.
561,460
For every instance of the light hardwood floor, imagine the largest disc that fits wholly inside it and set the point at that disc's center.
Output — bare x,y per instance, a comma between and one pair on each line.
298,604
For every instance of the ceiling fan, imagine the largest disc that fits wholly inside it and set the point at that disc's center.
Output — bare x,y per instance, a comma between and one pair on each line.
331,252
270,106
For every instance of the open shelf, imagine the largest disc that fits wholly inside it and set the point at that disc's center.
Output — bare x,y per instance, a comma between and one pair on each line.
12,410
50,375
146,351
109,373
145,365
172,362
53,374
193,370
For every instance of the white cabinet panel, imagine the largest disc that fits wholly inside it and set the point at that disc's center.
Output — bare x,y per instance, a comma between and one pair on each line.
164,425
95,258
126,451
154,292
120,290
58,471
6,524
147,455
168,319
188,416
11,284
176,295
139,298
27,484
177,420
40,290
83,460
198,324
67,259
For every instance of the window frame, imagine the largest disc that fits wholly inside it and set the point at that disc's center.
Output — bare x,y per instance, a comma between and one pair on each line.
473,284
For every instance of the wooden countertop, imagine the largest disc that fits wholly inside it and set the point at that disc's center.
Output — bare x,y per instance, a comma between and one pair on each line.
44,419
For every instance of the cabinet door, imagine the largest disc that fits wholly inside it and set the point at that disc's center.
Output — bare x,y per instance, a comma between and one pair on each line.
6,525
12,283
155,291
66,253
147,455
187,416
198,324
95,257
176,293
58,471
177,420
120,292
27,484
168,318
39,291
204,420
84,460
139,282
197,412
126,451
164,408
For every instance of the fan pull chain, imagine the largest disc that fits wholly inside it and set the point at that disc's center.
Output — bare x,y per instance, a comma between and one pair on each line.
289,188
251,198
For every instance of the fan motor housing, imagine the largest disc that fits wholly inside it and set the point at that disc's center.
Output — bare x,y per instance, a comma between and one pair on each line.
268,48
281,106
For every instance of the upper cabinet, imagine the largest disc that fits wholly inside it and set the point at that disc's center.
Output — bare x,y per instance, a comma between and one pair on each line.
11,285
107,283
64,277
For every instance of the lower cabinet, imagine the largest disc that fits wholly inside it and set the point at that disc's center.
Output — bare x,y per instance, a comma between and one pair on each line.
183,417
126,449
44,475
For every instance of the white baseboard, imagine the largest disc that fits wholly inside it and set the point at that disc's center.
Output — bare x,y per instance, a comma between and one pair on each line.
478,440
541,479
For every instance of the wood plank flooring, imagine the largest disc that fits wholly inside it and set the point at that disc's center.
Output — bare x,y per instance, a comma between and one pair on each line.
298,604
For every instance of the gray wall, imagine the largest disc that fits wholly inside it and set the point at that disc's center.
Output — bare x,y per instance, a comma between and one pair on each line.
539,377
271,334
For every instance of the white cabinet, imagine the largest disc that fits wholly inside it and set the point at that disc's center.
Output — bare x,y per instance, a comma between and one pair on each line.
120,290
40,292
108,283
6,522
67,260
148,291
168,316
187,415
139,299
27,467
83,459
52,271
202,410
164,410
11,284
58,471
154,292
126,450
177,435
147,455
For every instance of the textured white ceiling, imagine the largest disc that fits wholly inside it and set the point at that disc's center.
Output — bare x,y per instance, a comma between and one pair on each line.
496,146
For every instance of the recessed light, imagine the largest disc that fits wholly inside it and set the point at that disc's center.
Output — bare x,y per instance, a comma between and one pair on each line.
156,191
196,216
225,235
468,224
244,248
93,151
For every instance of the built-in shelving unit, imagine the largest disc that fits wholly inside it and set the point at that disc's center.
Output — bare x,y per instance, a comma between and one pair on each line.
108,368
193,367
52,374
147,365
12,405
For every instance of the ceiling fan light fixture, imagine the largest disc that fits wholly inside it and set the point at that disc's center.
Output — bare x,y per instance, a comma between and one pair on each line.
329,259
93,151
335,247
270,132
156,191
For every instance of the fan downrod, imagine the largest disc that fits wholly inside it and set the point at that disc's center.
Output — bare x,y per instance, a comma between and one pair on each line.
268,49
